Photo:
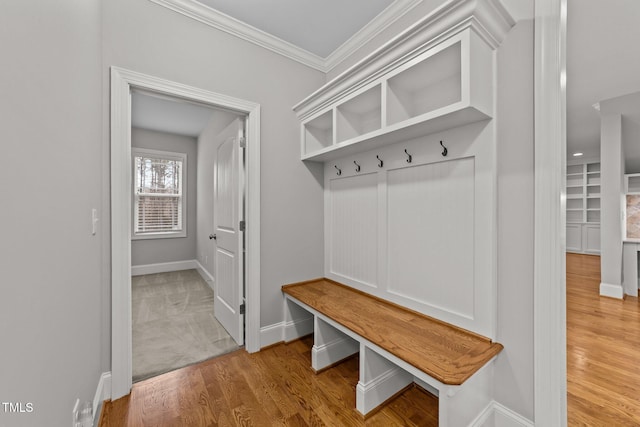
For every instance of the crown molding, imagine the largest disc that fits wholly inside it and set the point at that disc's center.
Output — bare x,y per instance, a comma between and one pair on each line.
391,14
221,21
209,16
487,18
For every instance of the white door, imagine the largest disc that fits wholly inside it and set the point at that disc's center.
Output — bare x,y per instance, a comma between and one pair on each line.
229,240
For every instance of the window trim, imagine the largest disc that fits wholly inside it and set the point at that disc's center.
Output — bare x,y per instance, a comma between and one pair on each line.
168,155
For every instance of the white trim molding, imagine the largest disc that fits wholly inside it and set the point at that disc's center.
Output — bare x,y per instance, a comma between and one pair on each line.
163,267
549,293
611,290
221,21
122,82
103,392
496,415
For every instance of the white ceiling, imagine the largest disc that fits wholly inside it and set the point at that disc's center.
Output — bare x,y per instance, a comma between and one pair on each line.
603,62
319,27
169,115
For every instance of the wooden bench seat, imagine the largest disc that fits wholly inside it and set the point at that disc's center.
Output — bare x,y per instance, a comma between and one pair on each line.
442,355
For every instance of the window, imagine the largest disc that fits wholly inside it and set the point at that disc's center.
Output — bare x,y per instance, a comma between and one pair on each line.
158,194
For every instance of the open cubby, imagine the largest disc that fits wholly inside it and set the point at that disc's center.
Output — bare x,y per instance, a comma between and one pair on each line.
633,183
593,167
359,115
593,203
425,87
574,191
593,216
575,180
593,190
593,178
574,215
318,133
573,204
574,169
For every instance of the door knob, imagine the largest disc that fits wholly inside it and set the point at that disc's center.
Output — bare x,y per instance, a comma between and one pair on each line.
213,237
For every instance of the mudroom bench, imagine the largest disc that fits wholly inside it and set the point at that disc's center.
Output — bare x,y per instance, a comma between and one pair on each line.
397,347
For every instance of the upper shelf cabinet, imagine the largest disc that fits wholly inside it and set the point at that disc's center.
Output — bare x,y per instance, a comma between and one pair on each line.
445,86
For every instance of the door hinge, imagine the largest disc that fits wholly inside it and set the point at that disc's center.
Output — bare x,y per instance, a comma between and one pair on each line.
243,142
243,308
242,226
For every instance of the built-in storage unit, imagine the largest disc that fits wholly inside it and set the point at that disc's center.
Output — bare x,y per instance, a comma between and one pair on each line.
444,87
410,179
583,207
632,183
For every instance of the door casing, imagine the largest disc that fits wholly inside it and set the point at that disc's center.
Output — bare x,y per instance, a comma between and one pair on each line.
122,83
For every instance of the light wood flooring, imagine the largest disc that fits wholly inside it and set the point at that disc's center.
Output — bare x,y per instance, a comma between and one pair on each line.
277,386
603,350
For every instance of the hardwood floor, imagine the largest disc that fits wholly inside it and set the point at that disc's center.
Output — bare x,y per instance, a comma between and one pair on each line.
278,387
603,350
275,387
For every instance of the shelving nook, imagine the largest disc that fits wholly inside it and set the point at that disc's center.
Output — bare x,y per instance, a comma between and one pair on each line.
446,86
583,207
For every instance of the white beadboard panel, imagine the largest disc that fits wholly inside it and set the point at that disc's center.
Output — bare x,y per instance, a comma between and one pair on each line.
430,250
436,222
354,228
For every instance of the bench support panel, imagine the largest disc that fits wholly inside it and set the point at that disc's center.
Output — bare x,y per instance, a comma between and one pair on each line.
298,322
330,346
380,380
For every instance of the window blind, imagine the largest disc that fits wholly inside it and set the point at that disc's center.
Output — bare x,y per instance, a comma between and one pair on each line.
158,195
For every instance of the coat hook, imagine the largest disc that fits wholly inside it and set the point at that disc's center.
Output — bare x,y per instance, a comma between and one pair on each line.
409,156
445,151
338,169
357,166
380,162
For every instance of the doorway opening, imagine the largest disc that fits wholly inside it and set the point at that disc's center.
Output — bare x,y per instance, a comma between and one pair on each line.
123,84
179,316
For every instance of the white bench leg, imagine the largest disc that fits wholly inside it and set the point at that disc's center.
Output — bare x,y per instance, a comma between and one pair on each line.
330,345
380,380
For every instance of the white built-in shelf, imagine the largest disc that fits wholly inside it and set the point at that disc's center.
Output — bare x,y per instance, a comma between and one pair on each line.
583,193
446,86
632,183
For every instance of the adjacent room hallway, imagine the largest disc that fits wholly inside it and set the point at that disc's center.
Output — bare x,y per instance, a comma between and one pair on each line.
603,350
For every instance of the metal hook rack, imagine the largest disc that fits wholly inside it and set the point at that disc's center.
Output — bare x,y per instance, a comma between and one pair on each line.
380,162
444,151
409,156
357,166
338,169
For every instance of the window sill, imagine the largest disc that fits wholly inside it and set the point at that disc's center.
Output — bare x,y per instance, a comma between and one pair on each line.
166,235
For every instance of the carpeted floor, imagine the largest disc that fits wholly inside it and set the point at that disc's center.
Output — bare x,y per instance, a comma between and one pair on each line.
173,323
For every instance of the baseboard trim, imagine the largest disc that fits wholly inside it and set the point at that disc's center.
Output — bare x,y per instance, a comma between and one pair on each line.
298,328
103,392
611,291
497,415
163,267
326,355
270,335
206,276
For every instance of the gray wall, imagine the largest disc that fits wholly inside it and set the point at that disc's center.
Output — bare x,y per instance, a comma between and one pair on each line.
51,264
207,151
514,374
153,251
136,37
